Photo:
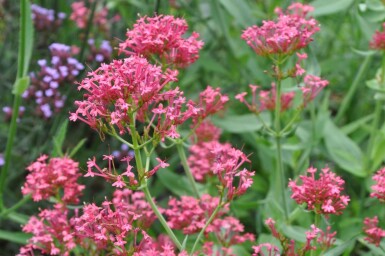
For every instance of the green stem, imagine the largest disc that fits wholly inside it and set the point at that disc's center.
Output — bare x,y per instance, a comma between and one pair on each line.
161,218
186,167
277,127
317,220
290,123
16,206
206,225
352,89
87,33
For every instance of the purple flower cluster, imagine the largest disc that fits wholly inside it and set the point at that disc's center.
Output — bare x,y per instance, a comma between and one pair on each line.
99,53
45,19
63,68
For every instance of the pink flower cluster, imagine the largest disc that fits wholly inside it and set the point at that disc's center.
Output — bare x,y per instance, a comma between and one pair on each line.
374,234
315,239
46,19
205,132
290,32
81,13
211,101
163,246
322,195
53,177
265,99
313,86
44,88
162,36
108,228
379,187
53,233
190,214
378,40
120,180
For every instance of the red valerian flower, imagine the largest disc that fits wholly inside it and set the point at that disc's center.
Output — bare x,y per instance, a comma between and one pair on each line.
162,36
54,177
379,187
378,40
374,234
322,195
313,86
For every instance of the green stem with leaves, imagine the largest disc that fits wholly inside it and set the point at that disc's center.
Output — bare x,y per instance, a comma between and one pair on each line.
21,84
317,222
186,167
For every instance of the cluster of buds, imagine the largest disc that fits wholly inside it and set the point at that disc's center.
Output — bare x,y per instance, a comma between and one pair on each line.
46,19
44,88
162,36
99,53
378,39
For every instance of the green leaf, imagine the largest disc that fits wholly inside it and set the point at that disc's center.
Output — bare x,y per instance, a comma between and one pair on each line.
364,53
242,123
343,150
375,5
21,85
240,10
340,249
77,147
177,184
16,237
18,217
58,139
327,7
295,232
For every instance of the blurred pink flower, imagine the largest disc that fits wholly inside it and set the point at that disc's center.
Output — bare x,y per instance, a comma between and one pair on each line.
322,195
271,250
57,177
313,86
379,187
374,234
206,131
378,39
162,36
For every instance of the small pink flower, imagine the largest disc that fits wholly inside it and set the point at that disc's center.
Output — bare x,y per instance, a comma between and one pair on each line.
322,195
271,250
57,177
206,132
313,86
373,232
378,40
379,187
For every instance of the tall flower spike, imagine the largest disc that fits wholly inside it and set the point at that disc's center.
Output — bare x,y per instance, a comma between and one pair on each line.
289,33
162,36
322,195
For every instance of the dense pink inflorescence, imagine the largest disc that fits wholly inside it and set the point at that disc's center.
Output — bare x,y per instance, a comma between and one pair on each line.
162,246
206,131
223,161
379,187
322,195
53,233
313,86
81,14
374,234
270,249
290,32
55,177
190,214
266,99
162,36
378,40
132,87
211,100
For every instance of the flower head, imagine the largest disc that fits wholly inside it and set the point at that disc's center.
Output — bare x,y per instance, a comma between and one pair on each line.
378,40
322,195
379,187
374,234
162,36
313,86
289,33
52,177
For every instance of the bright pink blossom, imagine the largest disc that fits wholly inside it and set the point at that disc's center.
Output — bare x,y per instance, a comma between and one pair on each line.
322,195
374,234
162,36
221,160
190,214
378,40
162,246
53,233
206,131
211,101
379,187
296,9
81,13
55,177
313,86
289,33
271,250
